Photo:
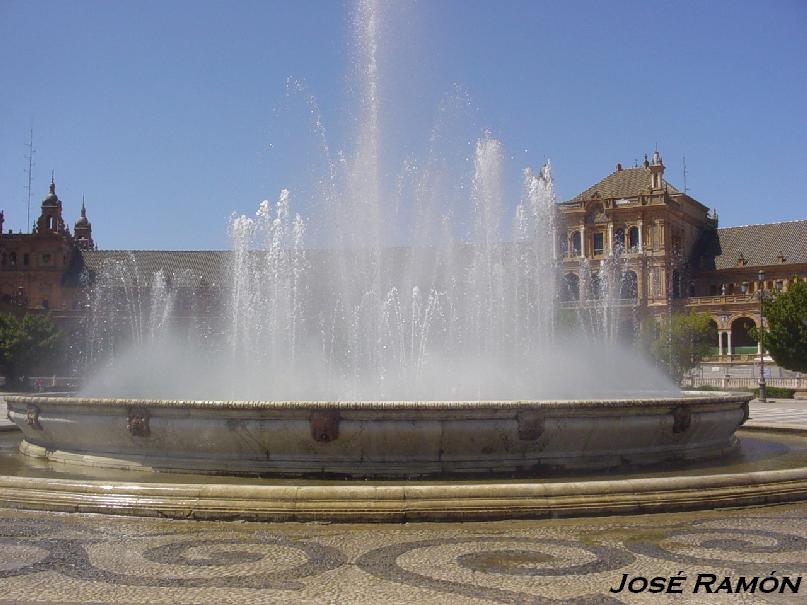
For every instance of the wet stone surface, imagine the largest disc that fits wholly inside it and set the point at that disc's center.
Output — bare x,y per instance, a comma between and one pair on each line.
75,558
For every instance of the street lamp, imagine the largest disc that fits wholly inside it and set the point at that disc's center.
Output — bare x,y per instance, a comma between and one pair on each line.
762,386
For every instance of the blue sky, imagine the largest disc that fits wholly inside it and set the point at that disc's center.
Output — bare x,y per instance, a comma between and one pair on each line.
168,116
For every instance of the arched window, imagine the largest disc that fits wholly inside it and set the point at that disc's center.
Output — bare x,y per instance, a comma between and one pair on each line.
741,340
49,223
12,259
633,239
576,248
571,287
618,245
629,287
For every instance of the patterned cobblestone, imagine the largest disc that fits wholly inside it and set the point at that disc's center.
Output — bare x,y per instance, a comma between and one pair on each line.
64,558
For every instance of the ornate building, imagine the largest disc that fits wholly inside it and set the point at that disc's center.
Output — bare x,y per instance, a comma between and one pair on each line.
34,266
659,250
631,243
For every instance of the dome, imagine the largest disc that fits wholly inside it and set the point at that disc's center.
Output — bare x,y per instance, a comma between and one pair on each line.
51,199
82,221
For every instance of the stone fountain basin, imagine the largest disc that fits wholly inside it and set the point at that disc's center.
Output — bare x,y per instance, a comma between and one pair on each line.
377,438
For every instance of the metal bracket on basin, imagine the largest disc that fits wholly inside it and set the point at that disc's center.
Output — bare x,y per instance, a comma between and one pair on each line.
324,425
746,414
138,422
682,418
32,417
530,425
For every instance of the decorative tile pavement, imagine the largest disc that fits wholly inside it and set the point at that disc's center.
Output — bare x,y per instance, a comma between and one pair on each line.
780,413
64,558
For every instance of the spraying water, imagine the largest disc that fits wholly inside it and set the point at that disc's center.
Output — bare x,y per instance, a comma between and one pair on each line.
466,310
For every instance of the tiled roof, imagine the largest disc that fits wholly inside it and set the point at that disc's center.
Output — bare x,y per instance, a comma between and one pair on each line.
758,245
184,267
625,183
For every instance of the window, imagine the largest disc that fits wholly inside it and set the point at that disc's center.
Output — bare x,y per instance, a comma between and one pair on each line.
676,284
633,239
46,259
576,248
564,245
599,243
629,286
571,287
618,244
45,303
594,287
12,259
26,259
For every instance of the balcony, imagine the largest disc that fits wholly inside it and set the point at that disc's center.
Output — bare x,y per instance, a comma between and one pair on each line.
720,300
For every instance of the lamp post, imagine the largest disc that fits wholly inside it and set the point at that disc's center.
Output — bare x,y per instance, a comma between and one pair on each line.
762,386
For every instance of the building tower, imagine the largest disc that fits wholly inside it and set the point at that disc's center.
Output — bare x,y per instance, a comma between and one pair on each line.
82,232
50,220
656,171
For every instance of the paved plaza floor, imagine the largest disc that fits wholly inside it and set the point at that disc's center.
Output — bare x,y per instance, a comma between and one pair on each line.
83,558
60,558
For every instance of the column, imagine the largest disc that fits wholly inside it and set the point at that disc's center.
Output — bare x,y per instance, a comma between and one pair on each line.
610,239
641,236
729,352
720,342
582,240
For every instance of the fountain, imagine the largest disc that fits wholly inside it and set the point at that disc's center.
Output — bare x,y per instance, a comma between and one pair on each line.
360,359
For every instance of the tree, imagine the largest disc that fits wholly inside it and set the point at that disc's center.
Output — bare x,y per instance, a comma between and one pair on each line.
26,343
785,333
681,342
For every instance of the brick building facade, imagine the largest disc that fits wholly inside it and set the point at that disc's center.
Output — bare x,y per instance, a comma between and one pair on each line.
664,245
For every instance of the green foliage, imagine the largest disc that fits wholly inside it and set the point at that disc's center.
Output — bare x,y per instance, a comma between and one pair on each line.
785,335
681,343
778,392
26,343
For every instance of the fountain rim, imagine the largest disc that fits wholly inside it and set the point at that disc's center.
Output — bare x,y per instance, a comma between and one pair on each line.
685,398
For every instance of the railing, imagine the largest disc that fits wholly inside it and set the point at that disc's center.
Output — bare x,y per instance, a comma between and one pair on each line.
594,302
719,300
734,358
45,383
748,383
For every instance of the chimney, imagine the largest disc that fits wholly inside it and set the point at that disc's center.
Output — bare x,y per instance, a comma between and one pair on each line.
618,167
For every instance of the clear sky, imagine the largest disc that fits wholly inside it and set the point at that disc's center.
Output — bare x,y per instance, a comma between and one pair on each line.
168,116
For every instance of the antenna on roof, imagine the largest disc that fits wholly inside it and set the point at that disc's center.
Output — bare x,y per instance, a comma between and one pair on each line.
686,189
30,171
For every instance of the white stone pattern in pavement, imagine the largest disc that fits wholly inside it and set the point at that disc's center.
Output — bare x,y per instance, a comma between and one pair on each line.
778,414
89,559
